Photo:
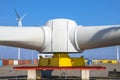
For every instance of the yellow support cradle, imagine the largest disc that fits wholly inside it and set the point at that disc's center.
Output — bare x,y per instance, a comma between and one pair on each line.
61,60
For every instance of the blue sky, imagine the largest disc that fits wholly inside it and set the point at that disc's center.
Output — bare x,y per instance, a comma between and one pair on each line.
84,12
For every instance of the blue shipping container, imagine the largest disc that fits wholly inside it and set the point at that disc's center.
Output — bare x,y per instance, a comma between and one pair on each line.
0,63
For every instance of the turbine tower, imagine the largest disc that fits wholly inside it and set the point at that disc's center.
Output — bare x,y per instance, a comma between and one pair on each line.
19,20
118,53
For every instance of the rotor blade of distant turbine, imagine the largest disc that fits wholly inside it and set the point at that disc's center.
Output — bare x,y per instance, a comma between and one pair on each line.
17,13
24,37
97,37
23,16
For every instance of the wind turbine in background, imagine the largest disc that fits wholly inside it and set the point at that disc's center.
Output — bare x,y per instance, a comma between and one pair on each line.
19,20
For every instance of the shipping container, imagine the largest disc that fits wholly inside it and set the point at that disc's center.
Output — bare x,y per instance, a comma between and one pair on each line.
1,63
35,61
114,61
20,62
7,62
15,62
11,62
23,62
26,61
29,62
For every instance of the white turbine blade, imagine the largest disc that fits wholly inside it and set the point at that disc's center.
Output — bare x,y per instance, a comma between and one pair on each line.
98,36
23,16
24,37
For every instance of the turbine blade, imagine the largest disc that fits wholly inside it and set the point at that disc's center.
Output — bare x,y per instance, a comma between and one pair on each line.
17,13
23,16
98,36
25,37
